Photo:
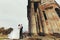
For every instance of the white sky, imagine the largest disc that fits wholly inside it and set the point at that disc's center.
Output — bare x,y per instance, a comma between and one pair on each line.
14,12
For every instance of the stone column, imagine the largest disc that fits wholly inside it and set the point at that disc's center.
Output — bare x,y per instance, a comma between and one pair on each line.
39,16
39,22
32,20
43,20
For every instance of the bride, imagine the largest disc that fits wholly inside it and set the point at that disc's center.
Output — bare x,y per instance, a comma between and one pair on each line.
14,34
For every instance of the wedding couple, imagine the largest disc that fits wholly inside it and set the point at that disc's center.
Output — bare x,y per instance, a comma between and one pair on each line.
17,32
21,31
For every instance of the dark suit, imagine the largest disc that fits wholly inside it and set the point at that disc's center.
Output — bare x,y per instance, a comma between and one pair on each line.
21,32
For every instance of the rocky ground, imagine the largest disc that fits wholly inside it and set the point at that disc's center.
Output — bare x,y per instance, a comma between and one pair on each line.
37,38
43,38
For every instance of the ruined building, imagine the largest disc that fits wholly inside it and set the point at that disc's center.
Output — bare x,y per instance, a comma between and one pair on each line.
43,17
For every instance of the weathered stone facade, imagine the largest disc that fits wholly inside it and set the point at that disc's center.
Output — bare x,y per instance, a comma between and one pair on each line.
43,16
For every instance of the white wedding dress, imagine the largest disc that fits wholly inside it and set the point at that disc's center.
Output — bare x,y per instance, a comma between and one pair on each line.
14,34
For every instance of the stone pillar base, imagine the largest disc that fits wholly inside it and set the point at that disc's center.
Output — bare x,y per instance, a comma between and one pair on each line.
33,34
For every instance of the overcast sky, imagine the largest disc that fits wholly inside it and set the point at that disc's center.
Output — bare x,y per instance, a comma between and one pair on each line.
14,12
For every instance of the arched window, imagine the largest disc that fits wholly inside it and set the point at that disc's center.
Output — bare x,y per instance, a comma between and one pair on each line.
58,11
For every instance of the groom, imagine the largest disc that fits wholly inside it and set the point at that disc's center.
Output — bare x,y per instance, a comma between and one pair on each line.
21,31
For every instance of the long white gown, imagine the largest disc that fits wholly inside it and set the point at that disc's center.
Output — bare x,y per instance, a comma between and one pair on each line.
14,34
